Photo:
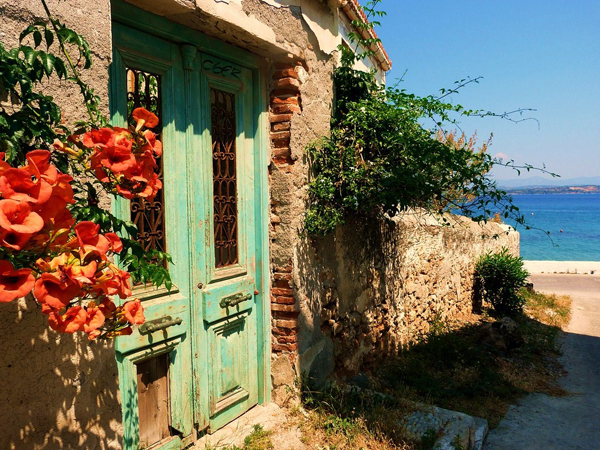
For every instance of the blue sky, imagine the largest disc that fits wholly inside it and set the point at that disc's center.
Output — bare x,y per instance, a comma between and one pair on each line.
542,54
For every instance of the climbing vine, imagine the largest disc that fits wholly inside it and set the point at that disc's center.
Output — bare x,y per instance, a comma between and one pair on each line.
381,156
56,242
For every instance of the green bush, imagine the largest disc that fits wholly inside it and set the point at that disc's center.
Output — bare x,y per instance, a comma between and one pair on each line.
502,276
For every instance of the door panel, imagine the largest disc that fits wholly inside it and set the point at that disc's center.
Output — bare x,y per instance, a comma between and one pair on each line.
208,331
146,71
228,296
230,378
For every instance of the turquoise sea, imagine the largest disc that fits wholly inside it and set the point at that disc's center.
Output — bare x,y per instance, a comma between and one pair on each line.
577,215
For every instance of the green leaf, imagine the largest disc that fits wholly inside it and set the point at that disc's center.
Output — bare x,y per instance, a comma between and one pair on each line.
29,54
26,32
48,61
60,68
37,38
49,38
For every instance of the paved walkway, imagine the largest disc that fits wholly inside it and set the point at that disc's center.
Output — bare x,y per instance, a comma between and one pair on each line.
563,423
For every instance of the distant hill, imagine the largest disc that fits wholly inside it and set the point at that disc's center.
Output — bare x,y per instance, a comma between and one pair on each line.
587,189
547,182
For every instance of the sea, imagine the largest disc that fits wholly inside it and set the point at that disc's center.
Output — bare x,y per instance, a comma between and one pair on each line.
573,221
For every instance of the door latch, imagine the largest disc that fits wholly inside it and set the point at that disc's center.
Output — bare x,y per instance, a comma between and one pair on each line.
233,300
159,324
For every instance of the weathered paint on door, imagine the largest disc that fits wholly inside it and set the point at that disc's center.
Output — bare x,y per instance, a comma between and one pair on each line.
213,326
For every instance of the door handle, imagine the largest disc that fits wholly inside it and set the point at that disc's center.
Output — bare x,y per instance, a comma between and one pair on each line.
159,324
233,300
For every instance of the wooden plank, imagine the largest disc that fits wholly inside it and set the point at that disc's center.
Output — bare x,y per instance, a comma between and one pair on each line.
153,399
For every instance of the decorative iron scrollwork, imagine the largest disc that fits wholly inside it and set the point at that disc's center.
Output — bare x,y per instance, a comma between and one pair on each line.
224,177
144,90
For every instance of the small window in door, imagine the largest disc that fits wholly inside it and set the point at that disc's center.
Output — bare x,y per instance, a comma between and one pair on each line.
224,177
143,90
154,400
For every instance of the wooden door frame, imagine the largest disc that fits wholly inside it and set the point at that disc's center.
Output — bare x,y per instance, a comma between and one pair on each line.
144,21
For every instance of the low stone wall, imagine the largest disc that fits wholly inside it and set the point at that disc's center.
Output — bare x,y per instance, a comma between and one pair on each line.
377,285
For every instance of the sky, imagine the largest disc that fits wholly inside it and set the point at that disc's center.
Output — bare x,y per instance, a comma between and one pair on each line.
540,54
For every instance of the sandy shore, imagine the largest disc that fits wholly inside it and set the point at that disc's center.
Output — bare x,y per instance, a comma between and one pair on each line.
586,267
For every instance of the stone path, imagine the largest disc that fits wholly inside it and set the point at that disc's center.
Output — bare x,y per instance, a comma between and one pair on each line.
286,435
563,423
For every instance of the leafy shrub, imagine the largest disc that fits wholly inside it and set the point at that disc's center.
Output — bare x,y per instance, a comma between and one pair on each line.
389,151
502,276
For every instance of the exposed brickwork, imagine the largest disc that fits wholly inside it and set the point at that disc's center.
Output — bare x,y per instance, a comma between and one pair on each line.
284,312
285,102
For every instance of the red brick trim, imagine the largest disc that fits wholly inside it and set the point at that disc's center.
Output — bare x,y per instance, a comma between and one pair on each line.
284,312
285,102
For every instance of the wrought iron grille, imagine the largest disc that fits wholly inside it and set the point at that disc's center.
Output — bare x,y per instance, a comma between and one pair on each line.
143,90
224,177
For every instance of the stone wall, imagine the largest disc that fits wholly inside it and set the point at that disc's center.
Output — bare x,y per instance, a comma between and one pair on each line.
58,391
377,285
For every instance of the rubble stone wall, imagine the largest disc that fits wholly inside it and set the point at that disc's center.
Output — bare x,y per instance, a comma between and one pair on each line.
378,284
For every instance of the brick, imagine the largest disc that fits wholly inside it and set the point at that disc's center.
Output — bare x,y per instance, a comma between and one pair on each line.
286,315
281,126
282,153
285,100
286,109
282,276
287,339
285,284
284,331
284,300
281,135
284,164
287,83
275,118
283,323
282,308
282,144
285,347
284,292
287,72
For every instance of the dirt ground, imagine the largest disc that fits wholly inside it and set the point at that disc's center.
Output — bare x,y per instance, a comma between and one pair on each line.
572,422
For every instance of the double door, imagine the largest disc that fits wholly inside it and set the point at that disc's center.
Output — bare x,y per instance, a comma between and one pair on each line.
199,360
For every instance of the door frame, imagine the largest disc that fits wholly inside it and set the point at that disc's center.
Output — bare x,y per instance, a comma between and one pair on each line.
144,21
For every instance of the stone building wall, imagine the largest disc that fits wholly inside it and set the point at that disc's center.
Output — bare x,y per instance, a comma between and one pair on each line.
378,284
59,391
337,303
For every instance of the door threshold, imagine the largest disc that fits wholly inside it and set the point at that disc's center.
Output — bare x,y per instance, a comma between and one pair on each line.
268,416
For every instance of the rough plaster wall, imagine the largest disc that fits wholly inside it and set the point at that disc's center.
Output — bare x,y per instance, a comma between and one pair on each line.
376,285
57,391
288,187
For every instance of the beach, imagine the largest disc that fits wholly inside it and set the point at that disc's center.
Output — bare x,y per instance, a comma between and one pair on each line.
575,267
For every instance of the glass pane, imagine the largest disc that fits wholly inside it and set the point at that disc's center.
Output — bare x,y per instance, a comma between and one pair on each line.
224,177
143,90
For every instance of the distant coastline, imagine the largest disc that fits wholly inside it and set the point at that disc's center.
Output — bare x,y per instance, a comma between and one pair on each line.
591,189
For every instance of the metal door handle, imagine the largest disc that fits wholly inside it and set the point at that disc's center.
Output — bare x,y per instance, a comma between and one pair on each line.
233,300
159,324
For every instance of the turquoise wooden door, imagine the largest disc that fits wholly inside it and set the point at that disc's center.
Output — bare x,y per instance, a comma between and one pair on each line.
202,361
226,250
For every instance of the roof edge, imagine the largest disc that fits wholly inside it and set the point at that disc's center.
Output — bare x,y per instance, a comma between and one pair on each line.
355,12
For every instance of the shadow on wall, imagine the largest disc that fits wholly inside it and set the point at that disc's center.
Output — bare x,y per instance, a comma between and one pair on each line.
56,391
348,272
377,284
